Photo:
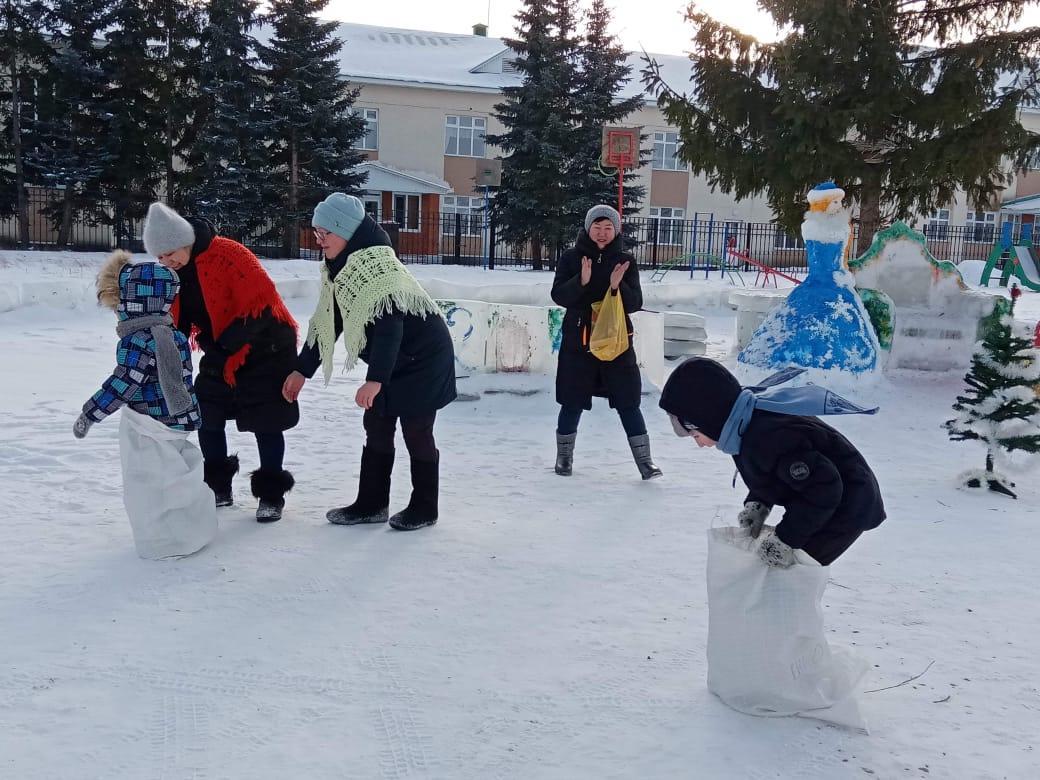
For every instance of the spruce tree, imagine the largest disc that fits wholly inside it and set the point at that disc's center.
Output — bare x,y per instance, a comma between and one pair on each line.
24,53
134,134
1000,408
313,130
534,202
905,103
178,66
228,178
69,155
604,72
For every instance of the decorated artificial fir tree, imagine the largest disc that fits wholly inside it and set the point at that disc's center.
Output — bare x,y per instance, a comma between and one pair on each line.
1000,407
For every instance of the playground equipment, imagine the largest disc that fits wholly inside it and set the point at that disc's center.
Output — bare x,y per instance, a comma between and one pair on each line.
706,258
1019,259
762,271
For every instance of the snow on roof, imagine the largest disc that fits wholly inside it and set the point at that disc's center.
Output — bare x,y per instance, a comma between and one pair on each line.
1024,205
394,55
382,55
382,176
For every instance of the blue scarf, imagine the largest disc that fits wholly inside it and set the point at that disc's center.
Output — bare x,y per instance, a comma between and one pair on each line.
811,400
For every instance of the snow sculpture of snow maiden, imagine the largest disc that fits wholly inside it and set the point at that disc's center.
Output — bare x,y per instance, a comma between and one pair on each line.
823,324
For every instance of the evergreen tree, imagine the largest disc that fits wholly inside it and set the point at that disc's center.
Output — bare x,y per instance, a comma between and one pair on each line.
534,202
178,66
313,130
604,72
905,103
1000,408
24,53
68,153
228,177
133,139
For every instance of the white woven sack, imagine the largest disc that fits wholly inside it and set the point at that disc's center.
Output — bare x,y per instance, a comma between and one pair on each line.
171,510
767,651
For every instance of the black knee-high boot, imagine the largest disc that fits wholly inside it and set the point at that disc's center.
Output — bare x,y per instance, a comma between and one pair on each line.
373,497
422,508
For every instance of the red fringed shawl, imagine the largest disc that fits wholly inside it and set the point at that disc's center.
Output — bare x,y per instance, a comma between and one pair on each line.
234,285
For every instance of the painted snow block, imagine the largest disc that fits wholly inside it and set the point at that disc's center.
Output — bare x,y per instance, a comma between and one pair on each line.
882,312
752,309
823,324
509,338
923,312
649,345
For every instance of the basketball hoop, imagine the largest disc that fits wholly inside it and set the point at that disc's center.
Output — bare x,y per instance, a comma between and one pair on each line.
620,150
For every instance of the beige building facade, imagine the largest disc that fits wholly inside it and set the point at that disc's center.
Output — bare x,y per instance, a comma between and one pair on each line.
429,99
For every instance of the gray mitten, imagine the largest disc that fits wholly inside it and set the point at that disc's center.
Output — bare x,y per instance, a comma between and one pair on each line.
81,426
753,517
773,552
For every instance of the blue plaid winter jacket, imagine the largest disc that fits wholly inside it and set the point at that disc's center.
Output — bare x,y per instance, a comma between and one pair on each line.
145,289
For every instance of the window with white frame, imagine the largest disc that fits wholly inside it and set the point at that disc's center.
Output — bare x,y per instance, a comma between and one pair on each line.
373,205
1034,161
982,226
669,223
464,136
471,209
369,142
406,212
666,153
938,225
1016,225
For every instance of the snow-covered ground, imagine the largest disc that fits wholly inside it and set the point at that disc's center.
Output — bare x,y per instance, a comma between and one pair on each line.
545,628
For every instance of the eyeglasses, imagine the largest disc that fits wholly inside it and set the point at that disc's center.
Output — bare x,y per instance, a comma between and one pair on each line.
320,235
681,427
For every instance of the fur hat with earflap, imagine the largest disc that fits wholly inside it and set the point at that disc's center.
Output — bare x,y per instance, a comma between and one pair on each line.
108,279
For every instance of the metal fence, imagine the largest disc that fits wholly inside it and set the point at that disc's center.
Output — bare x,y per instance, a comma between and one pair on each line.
469,237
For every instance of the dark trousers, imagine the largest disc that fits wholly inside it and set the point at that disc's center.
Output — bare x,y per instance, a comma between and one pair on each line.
631,419
418,434
827,545
213,443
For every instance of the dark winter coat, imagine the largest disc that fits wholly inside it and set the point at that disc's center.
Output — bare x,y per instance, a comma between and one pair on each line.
254,399
828,492
411,356
580,375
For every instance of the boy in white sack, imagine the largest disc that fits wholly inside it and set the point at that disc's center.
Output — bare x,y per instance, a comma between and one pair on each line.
171,510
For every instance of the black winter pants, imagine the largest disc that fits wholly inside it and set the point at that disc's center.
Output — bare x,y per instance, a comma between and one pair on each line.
418,434
827,545
213,443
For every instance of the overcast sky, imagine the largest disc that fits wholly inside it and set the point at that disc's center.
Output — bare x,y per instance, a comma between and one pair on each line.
656,25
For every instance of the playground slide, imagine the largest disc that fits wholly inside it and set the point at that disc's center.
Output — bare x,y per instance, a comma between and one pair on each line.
1026,270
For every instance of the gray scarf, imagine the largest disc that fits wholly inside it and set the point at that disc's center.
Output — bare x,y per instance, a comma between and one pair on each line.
167,358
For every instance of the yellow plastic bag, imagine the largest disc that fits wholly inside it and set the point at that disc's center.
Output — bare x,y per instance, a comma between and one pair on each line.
609,336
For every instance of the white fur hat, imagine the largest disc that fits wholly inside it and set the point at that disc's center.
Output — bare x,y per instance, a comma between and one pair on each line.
166,230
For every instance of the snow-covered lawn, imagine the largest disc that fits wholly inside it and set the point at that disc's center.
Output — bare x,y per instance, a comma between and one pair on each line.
545,628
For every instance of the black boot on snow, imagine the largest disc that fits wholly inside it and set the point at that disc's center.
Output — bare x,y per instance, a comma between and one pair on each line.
422,508
373,499
270,486
218,475
565,453
644,460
